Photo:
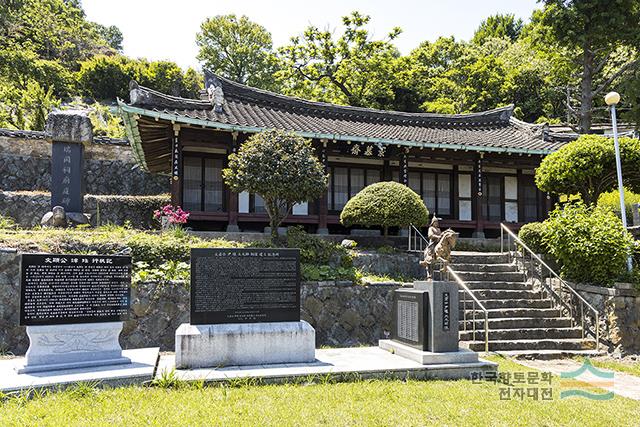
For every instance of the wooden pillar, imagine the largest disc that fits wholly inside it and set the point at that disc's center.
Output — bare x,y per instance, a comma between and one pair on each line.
478,197
323,208
176,167
232,225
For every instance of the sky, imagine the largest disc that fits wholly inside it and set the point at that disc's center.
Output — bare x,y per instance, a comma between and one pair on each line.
166,30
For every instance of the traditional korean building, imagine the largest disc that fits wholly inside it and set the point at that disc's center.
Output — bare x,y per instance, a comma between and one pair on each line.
474,170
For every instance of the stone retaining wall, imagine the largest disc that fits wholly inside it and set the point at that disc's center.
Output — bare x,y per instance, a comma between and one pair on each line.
619,309
25,164
342,313
28,207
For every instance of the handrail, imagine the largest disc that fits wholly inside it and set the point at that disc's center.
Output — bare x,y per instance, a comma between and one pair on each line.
532,255
416,237
464,309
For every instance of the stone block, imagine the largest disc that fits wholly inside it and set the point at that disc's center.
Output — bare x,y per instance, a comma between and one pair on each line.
69,126
202,346
80,345
443,314
427,357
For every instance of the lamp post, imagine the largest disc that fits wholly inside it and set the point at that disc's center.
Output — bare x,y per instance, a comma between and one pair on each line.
612,99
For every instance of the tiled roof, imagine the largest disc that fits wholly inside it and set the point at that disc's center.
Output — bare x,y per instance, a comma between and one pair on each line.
36,134
251,109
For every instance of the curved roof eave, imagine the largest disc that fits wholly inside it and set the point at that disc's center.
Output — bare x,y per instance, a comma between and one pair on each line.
338,137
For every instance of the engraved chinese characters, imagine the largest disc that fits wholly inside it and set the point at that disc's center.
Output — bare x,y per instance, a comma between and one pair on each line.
245,285
64,289
66,176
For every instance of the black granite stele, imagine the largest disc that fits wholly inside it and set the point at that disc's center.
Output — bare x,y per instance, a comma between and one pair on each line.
443,312
67,185
410,318
245,285
65,289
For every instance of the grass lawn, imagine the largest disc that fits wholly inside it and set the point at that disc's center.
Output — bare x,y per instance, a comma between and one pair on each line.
627,367
377,402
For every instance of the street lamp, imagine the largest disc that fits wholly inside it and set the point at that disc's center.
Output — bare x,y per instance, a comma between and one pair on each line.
612,99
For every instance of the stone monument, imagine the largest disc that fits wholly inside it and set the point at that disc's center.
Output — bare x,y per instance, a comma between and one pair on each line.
73,307
68,132
245,310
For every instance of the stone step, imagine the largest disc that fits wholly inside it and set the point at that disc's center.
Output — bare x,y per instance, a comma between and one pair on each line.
459,257
478,276
517,322
475,284
483,294
459,268
510,303
534,344
513,312
550,354
523,334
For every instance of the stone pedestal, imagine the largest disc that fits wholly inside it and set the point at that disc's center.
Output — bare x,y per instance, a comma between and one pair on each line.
80,345
210,346
428,357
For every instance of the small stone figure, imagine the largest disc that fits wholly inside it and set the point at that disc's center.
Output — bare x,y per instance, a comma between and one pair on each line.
55,218
439,247
58,218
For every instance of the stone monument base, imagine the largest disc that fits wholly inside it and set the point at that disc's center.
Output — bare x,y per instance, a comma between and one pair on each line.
210,346
428,357
78,345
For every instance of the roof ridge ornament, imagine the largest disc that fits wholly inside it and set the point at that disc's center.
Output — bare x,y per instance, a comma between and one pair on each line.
216,97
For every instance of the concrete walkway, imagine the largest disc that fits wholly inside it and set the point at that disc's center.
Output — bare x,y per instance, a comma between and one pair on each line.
624,385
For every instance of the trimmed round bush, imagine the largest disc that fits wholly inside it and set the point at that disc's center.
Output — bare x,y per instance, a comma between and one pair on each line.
532,235
386,204
589,242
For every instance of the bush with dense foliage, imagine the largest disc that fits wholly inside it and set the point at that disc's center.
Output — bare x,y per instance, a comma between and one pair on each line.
612,201
589,242
281,167
587,166
314,250
532,234
385,204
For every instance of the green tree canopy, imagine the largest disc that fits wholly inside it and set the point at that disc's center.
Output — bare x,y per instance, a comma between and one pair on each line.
498,26
238,49
387,204
107,77
351,69
280,167
601,38
587,167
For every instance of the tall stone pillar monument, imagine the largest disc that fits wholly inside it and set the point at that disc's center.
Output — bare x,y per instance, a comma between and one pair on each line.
68,132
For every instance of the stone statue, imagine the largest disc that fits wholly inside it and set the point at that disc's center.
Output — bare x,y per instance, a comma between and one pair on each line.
439,248
57,217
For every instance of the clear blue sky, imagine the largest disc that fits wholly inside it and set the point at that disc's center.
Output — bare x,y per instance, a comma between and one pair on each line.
163,29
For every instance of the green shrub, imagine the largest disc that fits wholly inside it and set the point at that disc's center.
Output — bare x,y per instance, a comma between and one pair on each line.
612,201
314,273
587,166
314,250
387,204
532,235
7,222
589,242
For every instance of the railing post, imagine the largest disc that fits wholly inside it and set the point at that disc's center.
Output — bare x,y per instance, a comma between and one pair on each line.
582,318
486,332
474,321
464,309
501,238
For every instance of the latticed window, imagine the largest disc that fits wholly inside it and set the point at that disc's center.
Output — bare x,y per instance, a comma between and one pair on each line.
202,188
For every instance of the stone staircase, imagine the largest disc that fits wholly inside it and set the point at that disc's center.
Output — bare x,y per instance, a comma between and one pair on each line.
522,322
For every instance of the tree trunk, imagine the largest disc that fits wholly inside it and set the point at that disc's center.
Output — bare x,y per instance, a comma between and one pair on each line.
586,90
386,231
